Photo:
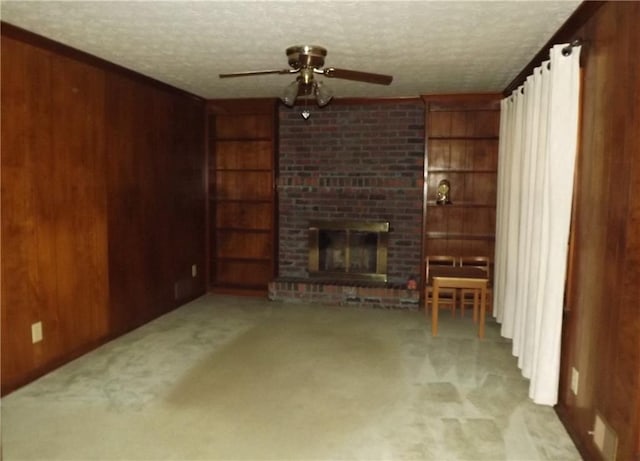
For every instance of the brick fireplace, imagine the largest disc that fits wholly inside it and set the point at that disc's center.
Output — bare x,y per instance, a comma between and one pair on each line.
358,163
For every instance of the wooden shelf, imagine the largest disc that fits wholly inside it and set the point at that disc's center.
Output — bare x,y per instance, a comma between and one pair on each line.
242,259
244,139
243,170
464,138
239,200
432,203
243,229
459,170
452,236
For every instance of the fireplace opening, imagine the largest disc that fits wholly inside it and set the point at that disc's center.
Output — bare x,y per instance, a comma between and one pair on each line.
345,250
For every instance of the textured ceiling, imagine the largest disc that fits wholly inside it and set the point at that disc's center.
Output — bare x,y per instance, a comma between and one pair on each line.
429,47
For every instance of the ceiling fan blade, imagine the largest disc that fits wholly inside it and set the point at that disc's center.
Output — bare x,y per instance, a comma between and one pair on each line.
259,72
380,79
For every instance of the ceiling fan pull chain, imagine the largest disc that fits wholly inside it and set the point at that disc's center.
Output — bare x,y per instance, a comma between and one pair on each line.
305,112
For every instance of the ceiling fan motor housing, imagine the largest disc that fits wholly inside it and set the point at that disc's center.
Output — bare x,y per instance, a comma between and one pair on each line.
301,57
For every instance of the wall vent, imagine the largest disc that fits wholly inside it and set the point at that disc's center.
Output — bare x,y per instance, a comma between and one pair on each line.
605,439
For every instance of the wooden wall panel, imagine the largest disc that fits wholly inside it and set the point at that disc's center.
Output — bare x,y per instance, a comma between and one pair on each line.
478,154
444,153
102,202
243,185
28,237
464,123
246,274
601,333
156,204
480,188
54,259
481,155
244,155
483,123
453,246
440,124
244,126
187,193
79,190
132,206
243,244
244,215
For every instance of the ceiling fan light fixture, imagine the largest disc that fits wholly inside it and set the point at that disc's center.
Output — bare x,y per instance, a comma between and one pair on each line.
290,94
299,88
323,93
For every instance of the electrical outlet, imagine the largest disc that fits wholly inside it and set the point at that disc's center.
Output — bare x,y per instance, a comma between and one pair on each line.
575,376
36,332
194,270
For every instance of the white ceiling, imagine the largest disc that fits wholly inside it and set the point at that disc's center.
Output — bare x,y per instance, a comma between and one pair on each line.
430,47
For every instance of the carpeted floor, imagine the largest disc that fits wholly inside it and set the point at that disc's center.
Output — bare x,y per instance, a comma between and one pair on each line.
245,378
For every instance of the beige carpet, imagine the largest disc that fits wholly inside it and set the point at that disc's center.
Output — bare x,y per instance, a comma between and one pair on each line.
238,378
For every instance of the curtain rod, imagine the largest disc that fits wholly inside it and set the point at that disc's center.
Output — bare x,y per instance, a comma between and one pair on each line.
566,51
572,27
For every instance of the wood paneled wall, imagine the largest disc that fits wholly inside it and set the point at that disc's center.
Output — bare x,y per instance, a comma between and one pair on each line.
601,337
102,202
156,206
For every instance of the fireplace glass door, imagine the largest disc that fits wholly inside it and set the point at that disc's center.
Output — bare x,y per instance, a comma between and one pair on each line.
341,250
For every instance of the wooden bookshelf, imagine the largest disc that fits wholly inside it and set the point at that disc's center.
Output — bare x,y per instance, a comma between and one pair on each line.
461,147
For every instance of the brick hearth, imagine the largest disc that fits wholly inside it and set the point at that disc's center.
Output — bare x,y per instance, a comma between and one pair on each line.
342,294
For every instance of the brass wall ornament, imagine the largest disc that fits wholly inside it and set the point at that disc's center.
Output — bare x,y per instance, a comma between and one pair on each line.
444,189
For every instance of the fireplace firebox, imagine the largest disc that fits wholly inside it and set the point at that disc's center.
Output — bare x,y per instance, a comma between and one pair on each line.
347,250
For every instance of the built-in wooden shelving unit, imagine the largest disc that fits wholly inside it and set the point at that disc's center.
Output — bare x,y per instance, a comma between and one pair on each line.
461,147
241,195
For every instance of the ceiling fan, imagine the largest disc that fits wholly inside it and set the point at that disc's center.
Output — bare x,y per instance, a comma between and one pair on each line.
309,60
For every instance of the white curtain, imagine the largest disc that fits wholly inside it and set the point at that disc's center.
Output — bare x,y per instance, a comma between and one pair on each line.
538,141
